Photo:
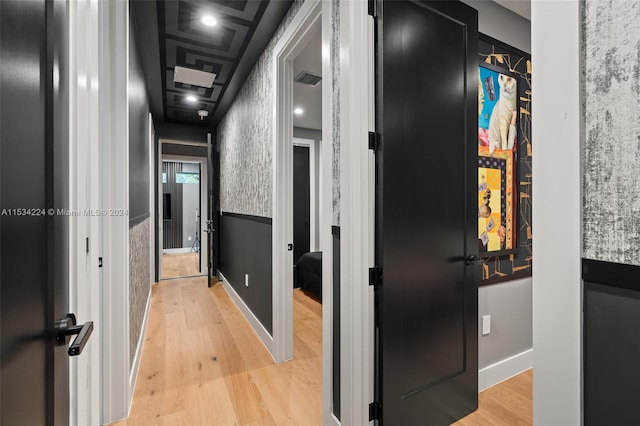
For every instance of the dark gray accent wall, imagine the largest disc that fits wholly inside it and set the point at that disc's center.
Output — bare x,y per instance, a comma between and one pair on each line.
138,133
335,232
181,132
245,243
184,150
611,348
139,261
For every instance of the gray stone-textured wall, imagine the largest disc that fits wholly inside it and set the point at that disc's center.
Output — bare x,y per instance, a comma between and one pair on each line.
246,137
245,134
139,284
335,87
611,108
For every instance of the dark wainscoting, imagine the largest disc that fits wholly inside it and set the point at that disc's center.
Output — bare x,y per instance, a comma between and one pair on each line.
245,248
611,342
335,232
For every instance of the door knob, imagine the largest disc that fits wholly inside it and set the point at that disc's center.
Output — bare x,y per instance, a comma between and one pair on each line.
66,327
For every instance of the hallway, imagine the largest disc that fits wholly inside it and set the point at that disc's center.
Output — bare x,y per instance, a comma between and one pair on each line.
202,363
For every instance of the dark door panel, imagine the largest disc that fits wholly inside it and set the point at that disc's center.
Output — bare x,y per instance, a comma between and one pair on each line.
34,172
301,200
427,304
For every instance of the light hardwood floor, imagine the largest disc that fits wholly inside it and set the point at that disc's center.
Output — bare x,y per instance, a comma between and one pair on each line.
509,403
202,364
177,265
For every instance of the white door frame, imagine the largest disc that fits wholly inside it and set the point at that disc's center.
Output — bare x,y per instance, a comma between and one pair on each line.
313,215
84,200
357,209
152,215
204,236
113,91
302,28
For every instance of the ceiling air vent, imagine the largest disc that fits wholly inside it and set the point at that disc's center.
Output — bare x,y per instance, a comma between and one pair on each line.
308,78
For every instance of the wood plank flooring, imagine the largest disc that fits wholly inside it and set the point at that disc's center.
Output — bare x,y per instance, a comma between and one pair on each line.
177,265
509,403
202,364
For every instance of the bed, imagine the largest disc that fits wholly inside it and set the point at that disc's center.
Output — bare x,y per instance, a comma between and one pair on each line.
308,274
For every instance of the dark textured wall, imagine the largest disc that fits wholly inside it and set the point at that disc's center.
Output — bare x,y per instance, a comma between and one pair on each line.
138,134
245,248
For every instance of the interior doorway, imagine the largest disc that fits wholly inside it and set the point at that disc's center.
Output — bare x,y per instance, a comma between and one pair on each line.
182,208
307,136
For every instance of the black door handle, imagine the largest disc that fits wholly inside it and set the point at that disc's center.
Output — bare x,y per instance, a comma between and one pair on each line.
66,327
472,259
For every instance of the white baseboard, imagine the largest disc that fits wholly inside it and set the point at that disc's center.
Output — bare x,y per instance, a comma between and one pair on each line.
133,377
493,374
256,325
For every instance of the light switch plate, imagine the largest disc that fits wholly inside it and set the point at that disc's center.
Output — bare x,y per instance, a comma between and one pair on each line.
486,324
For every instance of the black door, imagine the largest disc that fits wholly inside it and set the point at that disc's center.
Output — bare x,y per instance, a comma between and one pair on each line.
301,200
427,225
34,376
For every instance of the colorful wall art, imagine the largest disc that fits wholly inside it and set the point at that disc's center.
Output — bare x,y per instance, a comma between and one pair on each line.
505,236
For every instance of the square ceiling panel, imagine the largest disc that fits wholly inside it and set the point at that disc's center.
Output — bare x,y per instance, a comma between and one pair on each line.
193,77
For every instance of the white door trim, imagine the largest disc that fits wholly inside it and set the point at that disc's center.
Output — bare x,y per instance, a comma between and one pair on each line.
204,236
313,215
152,216
114,170
356,83
84,189
301,29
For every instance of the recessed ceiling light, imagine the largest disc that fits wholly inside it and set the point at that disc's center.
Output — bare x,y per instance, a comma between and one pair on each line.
192,99
209,21
298,111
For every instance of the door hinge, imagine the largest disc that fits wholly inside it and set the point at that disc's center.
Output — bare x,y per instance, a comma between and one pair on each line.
375,276
372,8
375,411
374,141
99,262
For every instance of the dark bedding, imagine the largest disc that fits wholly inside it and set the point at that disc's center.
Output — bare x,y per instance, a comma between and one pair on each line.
308,273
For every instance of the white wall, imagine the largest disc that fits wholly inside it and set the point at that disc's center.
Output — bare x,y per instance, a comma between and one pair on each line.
556,213
502,24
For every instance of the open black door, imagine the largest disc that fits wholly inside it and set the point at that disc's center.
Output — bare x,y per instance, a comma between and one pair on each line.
426,218
35,326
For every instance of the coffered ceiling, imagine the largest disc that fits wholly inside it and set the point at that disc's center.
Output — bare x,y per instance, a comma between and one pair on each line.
171,33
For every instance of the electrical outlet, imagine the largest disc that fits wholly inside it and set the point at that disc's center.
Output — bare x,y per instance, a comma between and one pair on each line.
246,280
486,324
189,238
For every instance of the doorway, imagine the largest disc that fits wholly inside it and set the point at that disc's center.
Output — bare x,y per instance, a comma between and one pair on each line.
182,208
